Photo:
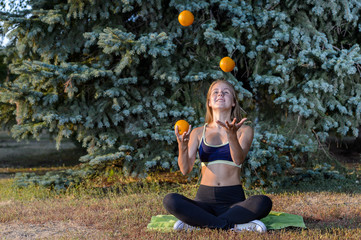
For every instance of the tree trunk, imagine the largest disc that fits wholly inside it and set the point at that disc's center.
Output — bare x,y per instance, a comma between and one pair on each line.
357,142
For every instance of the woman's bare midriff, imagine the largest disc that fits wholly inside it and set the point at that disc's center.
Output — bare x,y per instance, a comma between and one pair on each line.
220,175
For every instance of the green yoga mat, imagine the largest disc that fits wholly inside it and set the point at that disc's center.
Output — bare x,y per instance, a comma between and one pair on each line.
274,220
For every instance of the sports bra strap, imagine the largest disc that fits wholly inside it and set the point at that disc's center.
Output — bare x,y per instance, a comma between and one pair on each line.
203,135
204,131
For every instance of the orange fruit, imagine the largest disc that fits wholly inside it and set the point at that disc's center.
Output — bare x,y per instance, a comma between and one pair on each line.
227,64
186,18
183,126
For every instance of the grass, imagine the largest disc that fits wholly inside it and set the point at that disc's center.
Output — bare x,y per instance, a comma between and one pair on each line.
331,210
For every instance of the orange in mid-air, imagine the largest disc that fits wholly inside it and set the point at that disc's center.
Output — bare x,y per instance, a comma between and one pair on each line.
227,64
186,18
183,126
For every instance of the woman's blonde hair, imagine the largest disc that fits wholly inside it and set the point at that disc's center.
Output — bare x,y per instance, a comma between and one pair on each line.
236,110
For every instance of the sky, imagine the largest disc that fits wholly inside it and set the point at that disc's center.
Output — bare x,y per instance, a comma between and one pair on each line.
5,40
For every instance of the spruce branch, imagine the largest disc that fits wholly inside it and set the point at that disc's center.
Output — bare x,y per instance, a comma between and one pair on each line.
67,84
358,68
272,7
327,153
336,48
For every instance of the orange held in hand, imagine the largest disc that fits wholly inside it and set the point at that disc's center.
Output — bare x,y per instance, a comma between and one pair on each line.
183,126
186,18
227,64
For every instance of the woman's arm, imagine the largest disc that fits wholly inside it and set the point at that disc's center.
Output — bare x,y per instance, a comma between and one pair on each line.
187,146
240,146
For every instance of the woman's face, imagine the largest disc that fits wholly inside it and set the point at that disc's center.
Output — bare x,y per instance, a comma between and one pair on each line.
221,96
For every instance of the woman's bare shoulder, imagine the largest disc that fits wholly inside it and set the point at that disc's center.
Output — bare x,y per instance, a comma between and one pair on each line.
196,134
197,130
245,129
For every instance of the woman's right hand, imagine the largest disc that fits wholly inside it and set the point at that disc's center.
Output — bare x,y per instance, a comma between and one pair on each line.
187,146
184,138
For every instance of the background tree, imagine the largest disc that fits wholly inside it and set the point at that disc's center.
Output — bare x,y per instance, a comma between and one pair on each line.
6,109
116,75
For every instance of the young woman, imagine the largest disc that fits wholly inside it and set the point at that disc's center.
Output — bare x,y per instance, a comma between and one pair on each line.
222,144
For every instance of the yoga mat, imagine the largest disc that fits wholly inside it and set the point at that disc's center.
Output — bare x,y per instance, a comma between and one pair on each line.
274,220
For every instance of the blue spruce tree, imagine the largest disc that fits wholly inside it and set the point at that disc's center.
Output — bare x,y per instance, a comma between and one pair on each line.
117,75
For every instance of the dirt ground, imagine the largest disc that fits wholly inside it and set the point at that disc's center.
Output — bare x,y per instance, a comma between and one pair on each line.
50,230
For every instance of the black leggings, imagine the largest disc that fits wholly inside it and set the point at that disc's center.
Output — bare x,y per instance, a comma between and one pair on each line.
217,207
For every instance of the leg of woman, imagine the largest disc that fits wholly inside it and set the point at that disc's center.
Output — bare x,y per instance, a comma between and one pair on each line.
194,213
253,208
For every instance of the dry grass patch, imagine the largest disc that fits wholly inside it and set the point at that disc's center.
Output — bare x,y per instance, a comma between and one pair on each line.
125,211
49,230
321,207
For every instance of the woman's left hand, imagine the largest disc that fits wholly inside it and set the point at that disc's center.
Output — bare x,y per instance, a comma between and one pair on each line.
231,128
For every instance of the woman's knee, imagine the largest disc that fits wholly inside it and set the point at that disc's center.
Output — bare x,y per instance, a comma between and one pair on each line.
171,201
267,202
263,202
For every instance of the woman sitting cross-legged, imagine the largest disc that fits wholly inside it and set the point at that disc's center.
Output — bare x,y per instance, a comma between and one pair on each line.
222,144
